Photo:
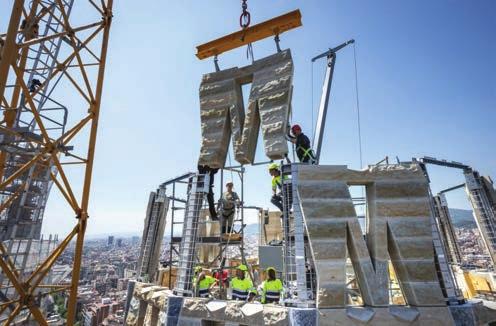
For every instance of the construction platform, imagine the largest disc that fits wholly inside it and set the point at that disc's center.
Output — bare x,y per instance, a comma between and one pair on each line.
155,305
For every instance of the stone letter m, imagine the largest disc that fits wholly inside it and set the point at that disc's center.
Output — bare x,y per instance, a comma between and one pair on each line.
399,230
222,110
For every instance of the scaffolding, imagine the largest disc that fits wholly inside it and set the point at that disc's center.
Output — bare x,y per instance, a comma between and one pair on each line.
481,193
298,273
188,215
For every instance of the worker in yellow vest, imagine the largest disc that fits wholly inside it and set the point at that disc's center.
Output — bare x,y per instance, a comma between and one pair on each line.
271,287
241,286
275,173
203,282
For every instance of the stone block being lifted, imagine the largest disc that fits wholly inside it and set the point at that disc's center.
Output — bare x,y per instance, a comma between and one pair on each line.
223,114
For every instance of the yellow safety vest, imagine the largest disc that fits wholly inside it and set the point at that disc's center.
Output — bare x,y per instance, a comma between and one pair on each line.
241,288
276,182
271,291
306,152
204,285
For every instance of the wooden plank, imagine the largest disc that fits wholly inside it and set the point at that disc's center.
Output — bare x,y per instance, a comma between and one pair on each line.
274,26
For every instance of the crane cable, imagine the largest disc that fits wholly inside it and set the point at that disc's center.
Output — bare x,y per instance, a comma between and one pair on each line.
230,164
358,107
244,22
357,104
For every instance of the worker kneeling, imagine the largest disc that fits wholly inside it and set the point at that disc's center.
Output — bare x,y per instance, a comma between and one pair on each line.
241,286
203,283
271,287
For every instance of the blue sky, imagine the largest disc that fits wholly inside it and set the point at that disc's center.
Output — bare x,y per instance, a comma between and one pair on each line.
427,86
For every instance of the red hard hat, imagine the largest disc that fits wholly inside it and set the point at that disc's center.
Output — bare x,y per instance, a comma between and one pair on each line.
295,127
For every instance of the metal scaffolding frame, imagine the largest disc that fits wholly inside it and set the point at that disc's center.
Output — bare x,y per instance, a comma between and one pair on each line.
23,217
34,131
299,280
479,197
174,189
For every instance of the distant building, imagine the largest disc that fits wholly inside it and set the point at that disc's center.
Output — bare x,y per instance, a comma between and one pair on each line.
129,273
110,241
119,242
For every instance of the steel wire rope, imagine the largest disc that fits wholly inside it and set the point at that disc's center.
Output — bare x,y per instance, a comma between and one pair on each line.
358,106
359,125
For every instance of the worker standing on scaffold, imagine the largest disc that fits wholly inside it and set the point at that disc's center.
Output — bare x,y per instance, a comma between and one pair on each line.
303,149
230,200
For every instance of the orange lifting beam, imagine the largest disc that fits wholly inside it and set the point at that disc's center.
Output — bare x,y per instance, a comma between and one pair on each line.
274,26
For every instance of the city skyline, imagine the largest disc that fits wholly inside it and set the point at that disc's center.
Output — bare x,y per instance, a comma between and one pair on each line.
419,85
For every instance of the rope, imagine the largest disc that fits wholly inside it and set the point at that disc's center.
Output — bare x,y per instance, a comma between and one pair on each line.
358,107
230,164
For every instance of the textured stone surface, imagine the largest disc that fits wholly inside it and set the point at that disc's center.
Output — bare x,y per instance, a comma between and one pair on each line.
362,314
216,305
133,312
251,309
222,110
398,229
174,310
408,314
193,311
307,317
429,316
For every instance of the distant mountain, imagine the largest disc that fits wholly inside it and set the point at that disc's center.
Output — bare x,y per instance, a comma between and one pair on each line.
462,218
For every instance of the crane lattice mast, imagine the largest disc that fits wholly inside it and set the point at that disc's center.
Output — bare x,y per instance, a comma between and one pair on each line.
45,59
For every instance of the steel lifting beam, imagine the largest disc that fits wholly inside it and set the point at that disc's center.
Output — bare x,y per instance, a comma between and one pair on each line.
274,26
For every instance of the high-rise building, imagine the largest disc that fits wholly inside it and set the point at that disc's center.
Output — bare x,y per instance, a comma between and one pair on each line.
110,241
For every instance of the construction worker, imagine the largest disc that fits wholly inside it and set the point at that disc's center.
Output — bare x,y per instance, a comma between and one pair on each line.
203,282
271,287
205,169
303,149
242,287
230,200
276,185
